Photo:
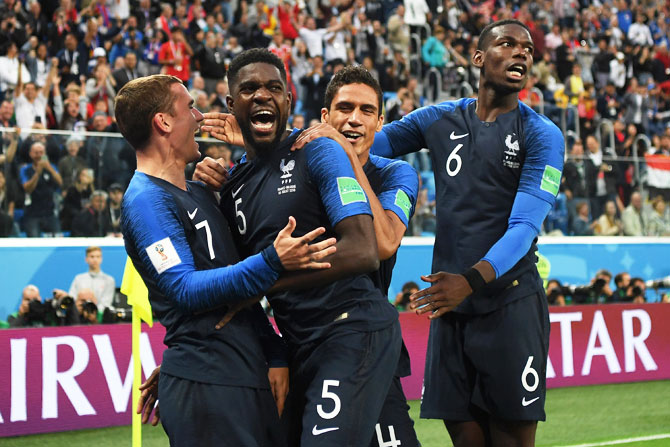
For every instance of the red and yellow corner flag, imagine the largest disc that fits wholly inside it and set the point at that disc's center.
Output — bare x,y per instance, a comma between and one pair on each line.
133,287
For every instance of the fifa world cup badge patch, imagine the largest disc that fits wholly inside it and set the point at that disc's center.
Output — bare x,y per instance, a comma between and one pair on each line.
350,191
551,180
163,255
402,201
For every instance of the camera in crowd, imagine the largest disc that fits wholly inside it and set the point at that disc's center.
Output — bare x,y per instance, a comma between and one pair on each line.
590,293
663,283
54,311
117,315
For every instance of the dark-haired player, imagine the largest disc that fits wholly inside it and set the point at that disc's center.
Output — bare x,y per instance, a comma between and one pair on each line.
183,248
497,168
344,338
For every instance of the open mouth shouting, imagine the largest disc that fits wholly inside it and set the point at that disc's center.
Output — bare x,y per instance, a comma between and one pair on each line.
516,71
263,122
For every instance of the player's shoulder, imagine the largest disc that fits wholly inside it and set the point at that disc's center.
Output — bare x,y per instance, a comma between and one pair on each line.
143,193
392,167
537,125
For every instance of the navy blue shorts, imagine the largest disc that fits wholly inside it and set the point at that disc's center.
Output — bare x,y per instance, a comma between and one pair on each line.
395,427
338,386
202,414
495,362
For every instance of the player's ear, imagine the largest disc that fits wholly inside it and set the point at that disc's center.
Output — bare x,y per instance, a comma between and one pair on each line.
289,99
229,102
162,122
324,115
380,123
478,58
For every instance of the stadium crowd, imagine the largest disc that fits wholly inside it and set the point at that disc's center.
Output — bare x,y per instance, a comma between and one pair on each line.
602,73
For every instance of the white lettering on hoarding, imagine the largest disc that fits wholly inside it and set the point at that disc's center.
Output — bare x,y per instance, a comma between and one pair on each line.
606,349
120,391
633,343
51,377
18,355
565,321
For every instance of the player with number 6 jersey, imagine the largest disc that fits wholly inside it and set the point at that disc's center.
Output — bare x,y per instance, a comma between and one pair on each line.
497,166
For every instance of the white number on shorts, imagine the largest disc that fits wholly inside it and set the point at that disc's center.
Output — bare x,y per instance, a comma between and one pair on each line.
329,395
528,370
393,442
208,233
457,158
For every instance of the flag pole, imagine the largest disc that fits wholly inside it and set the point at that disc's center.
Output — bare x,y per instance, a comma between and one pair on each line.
137,380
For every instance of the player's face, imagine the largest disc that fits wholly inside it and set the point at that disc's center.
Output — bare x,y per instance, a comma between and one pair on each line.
185,122
354,113
261,105
507,61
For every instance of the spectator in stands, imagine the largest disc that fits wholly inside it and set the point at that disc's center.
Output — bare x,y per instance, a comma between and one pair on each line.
621,281
636,105
605,179
175,55
402,298
210,62
9,69
601,64
40,181
129,71
618,72
95,280
658,224
580,176
110,158
314,83
581,225
398,31
115,198
217,100
7,114
7,204
73,162
608,223
94,220
335,40
100,87
73,59
639,32
433,51
637,291
30,102
38,63
633,219
609,103
77,197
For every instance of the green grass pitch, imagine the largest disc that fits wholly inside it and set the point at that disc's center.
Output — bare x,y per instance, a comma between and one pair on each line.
593,414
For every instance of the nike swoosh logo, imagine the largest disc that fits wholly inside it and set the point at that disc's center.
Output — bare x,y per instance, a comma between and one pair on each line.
192,215
238,190
319,431
453,136
525,402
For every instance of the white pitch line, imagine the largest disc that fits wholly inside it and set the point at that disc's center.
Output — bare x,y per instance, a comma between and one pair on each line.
622,441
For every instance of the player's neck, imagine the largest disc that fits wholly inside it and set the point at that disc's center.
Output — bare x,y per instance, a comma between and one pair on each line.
161,164
491,104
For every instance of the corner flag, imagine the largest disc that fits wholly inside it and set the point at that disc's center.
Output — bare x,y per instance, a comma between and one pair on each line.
138,297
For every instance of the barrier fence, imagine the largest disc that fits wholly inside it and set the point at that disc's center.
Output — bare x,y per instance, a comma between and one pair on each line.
67,378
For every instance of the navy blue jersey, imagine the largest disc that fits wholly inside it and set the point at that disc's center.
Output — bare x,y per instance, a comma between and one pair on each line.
317,186
184,251
480,168
396,185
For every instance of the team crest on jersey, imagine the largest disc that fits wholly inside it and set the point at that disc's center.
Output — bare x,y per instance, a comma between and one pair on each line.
286,168
511,154
163,255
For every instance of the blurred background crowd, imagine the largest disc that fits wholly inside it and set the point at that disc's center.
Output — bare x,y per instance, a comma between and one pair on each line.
601,73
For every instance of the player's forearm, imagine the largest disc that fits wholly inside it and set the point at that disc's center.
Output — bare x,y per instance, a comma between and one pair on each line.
387,241
198,290
356,254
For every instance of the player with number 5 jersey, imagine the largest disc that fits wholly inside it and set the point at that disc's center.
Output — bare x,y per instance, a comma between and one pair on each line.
497,166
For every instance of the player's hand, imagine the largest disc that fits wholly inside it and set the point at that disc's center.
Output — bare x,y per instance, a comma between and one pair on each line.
279,386
212,173
446,292
224,127
296,253
318,131
149,398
